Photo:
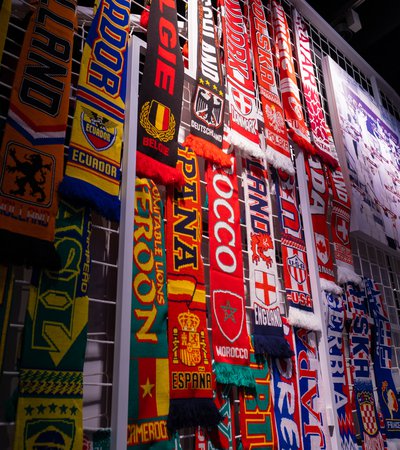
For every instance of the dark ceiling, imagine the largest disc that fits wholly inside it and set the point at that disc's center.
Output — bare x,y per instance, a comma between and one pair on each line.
377,41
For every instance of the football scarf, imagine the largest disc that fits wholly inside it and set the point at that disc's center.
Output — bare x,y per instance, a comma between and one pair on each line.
50,405
294,256
278,151
340,226
286,398
263,278
360,346
99,440
295,121
320,133
93,173
318,193
6,292
208,102
239,77
308,372
230,340
256,416
160,98
339,376
149,372
5,14
382,360
32,151
191,381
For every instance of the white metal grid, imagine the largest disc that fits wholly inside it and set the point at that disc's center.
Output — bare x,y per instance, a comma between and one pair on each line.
370,261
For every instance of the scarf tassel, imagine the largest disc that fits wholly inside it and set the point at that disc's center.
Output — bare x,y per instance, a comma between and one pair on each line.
303,319
279,161
192,412
147,167
82,192
207,150
274,346
346,275
232,374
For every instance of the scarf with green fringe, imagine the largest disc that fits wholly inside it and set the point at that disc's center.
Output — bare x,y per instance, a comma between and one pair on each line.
49,410
191,378
93,174
6,292
149,371
230,339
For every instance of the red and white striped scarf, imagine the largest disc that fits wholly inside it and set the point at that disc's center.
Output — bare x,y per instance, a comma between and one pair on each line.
242,104
277,151
320,133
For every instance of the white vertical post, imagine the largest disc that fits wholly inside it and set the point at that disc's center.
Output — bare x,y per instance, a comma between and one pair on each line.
119,407
326,384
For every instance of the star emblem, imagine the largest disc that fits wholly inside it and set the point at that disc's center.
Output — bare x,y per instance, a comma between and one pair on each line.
221,93
208,83
229,311
147,388
63,409
41,409
29,410
201,81
73,410
215,87
52,407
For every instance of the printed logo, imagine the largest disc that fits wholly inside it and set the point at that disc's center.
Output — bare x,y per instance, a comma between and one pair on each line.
50,434
229,312
297,269
190,342
28,175
99,131
389,397
208,107
342,229
367,411
242,101
294,104
261,243
322,248
158,121
275,118
265,285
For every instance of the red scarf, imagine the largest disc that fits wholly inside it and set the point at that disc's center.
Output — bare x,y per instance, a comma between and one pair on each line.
295,120
191,379
319,129
278,151
229,332
239,75
319,198
294,256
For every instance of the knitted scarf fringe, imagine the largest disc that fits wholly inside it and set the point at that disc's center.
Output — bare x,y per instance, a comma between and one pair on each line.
345,275
303,319
147,167
87,194
272,345
207,150
279,161
330,286
301,142
232,374
192,412
246,147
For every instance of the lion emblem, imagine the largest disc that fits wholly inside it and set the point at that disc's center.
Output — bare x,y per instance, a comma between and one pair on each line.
32,173
260,244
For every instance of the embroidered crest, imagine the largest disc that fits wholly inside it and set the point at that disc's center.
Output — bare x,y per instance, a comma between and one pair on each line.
260,244
208,106
229,313
367,410
51,434
158,120
99,131
297,269
342,231
242,101
265,285
321,247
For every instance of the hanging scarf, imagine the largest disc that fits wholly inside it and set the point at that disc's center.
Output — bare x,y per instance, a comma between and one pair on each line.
208,102
310,402
160,97
93,174
382,360
5,14
256,415
51,377
32,151
230,339
99,440
267,326
278,151
223,436
294,256
239,77
149,372
337,362
360,345
6,293
319,198
320,133
291,103
286,397
191,386
340,227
